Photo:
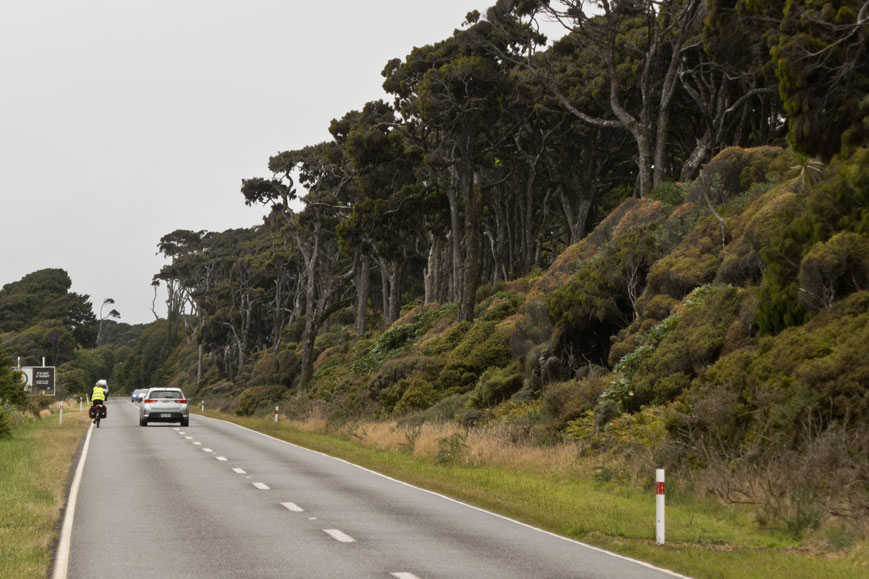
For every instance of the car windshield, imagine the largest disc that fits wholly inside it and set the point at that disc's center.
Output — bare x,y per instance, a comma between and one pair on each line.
165,394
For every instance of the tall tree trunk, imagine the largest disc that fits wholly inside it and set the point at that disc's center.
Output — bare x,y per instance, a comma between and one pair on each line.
363,286
310,334
473,196
455,236
430,275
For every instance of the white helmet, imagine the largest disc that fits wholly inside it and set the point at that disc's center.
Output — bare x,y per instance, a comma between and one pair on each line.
101,383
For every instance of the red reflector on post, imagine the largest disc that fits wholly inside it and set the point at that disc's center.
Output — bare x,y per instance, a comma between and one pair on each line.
661,488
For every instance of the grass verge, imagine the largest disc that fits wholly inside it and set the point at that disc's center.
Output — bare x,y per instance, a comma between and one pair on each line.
703,539
35,463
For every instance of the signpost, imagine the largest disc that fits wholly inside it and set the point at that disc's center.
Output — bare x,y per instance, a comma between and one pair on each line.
38,379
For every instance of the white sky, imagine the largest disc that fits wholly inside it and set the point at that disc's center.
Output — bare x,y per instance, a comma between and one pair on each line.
123,120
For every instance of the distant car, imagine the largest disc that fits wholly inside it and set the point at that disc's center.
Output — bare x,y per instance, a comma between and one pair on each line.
135,395
164,405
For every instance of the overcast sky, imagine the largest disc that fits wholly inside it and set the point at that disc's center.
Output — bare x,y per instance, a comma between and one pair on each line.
122,120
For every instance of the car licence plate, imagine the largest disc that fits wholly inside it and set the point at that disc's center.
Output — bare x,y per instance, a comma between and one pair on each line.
165,415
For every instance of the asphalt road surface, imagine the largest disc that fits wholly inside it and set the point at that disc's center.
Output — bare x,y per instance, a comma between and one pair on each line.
216,500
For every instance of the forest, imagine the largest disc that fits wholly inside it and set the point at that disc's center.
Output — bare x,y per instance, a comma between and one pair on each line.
648,237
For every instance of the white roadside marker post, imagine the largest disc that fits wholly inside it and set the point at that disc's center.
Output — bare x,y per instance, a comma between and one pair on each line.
276,415
659,506
203,406
61,412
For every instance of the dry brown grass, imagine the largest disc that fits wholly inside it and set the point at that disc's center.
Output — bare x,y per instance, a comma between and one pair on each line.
482,446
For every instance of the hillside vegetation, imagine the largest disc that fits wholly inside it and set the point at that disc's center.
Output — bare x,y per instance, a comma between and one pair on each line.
660,340
645,242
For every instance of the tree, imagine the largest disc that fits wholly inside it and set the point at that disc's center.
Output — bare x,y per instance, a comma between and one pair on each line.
822,62
452,92
44,295
113,313
11,388
383,222
323,171
639,44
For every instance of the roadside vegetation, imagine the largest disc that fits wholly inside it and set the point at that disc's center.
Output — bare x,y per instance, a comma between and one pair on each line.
576,497
36,455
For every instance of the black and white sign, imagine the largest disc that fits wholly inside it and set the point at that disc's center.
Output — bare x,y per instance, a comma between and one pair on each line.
38,379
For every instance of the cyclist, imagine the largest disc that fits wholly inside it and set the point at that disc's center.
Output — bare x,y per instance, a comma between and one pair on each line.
98,398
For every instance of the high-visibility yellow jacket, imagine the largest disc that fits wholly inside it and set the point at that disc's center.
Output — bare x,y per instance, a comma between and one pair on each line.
99,394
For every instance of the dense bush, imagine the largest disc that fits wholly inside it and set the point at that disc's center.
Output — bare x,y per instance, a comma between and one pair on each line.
833,270
11,391
482,347
417,393
496,385
5,423
692,263
801,388
567,401
693,341
257,398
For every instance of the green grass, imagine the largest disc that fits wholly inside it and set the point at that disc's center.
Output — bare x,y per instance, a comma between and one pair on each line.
703,539
34,468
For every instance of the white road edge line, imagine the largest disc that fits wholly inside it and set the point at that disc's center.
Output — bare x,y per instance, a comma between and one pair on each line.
339,536
262,486
458,502
404,576
61,561
293,507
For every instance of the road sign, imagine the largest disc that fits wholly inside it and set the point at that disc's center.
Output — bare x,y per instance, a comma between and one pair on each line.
38,379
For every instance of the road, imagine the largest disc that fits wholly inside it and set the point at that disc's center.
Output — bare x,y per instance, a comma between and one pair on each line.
216,500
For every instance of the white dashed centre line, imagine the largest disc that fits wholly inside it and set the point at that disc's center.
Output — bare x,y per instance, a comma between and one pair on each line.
293,507
239,471
221,458
404,576
197,443
189,437
207,450
261,486
339,536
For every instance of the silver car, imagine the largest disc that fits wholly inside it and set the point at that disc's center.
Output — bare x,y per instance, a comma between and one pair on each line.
163,405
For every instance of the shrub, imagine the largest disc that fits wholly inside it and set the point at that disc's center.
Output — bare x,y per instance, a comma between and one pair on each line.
417,394
496,385
256,398
452,449
265,370
682,346
668,193
736,170
11,391
692,263
397,369
833,270
566,401
482,347
5,423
